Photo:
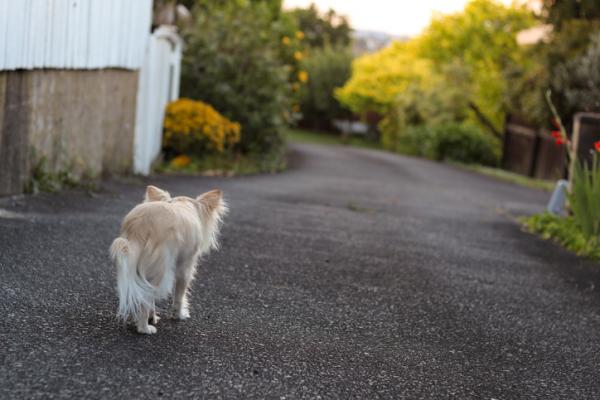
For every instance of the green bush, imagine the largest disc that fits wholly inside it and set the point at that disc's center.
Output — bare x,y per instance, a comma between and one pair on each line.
414,140
463,143
231,62
328,68
453,142
566,232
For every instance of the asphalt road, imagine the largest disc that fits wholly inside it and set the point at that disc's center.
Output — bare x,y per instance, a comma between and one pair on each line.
355,274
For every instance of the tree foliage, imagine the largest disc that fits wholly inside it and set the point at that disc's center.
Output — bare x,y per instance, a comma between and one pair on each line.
378,79
559,11
231,62
324,58
556,64
581,79
455,71
329,29
328,68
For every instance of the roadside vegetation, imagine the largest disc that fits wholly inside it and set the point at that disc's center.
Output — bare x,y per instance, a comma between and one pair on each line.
250,71
579,230
44,179
256,75
508,176
564,231
298,135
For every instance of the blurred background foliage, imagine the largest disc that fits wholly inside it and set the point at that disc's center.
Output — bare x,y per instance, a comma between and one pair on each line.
453,73
264,67
231,62
268,68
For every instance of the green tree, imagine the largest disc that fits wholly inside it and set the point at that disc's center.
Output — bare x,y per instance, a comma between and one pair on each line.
483,38
231,62
581,79
321,30
559,11
552,64
328,68
378,79
456,68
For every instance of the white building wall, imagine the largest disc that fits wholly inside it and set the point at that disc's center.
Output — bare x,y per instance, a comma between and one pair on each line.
74,34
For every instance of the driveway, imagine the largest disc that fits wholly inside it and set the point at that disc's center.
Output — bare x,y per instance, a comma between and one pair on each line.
355,274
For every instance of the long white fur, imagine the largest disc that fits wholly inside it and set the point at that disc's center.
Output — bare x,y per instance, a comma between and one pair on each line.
160,243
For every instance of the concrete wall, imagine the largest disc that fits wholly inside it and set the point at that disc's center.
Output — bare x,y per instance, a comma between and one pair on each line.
77,120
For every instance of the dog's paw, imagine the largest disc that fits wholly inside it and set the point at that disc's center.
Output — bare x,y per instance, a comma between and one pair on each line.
182,315
154,319
148,330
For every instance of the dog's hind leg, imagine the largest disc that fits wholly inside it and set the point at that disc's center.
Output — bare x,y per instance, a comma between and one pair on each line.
142,323
183,278
154,318
180,302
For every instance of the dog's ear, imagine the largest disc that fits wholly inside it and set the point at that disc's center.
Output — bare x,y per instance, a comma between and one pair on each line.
212,200
155,194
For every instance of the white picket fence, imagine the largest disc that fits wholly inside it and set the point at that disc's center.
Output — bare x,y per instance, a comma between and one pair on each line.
158,84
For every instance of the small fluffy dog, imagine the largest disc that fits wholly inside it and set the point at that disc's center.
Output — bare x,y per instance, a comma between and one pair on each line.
160,243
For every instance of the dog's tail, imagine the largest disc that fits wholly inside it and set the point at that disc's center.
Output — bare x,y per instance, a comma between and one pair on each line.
135,293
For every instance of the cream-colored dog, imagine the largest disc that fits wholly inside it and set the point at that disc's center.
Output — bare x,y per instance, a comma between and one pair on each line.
160,243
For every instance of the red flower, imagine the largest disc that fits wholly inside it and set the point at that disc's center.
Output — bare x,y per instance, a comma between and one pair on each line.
556,134
597,146
560,142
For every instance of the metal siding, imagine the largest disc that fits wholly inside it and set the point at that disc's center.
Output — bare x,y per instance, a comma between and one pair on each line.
75,34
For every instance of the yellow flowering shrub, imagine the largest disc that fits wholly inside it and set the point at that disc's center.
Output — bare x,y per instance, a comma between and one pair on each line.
192,127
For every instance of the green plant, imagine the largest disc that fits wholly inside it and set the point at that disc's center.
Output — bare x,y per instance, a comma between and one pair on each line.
328,68
231,61
565,231
44,180
584,198
225,164
463,143
413,140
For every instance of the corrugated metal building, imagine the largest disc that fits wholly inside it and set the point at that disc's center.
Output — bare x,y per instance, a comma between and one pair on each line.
73,34
68,82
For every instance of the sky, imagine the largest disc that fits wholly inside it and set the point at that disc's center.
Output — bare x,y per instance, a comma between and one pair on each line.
397,17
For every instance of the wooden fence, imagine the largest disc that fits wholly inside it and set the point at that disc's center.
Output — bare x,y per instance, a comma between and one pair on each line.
533,152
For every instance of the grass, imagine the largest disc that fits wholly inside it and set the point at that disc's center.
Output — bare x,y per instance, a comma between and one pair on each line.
311,137
564,231
227,165
509,176
325,138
